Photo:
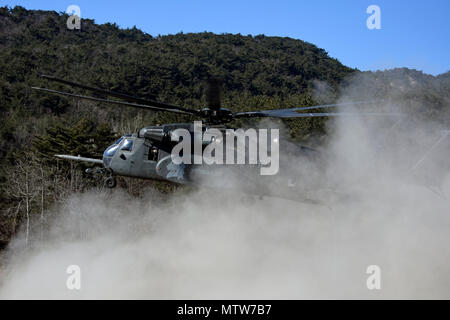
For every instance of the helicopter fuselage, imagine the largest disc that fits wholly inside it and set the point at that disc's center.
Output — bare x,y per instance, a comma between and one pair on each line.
147,155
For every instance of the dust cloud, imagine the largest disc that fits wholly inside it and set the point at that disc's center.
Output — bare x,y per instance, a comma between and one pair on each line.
208,244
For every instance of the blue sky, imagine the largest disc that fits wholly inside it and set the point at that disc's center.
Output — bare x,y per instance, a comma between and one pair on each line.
413,34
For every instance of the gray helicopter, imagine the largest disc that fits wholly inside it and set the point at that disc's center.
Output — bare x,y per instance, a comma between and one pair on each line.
148,153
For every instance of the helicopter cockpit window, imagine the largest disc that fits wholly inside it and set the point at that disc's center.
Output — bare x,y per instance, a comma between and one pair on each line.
111,151
119,140
127,145
153,154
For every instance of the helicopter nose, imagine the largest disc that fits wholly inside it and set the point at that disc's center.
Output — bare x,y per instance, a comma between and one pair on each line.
108,155
106,161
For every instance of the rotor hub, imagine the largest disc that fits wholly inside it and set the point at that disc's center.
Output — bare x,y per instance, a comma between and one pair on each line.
216,116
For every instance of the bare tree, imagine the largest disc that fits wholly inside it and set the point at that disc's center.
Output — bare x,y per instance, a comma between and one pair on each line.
22,187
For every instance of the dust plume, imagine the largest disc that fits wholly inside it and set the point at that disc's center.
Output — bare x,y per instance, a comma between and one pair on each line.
207,244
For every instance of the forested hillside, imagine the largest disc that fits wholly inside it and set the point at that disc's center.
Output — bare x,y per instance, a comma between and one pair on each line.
258,72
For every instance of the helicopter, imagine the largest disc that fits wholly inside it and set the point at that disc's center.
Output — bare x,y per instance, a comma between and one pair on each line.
148,153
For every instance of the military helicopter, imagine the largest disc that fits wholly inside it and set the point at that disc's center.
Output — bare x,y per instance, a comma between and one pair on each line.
147,153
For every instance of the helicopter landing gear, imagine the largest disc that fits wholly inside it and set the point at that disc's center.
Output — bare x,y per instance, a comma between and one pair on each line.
96,170
110,182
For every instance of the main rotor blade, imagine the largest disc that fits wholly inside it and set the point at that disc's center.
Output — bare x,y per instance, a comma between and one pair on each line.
322,106
135,105
291,112
288,113
153,103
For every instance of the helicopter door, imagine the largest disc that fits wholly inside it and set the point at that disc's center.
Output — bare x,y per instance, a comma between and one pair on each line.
153,154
